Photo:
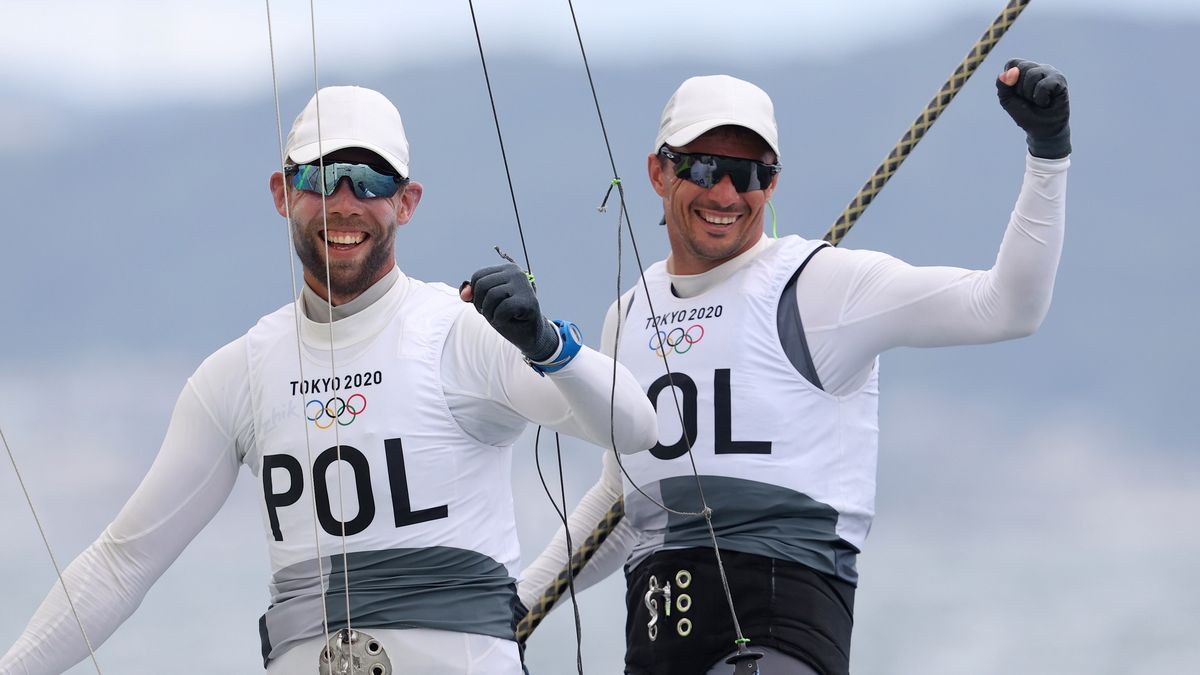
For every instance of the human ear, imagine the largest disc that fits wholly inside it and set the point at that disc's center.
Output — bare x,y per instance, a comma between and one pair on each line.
279,193
654,167
408,200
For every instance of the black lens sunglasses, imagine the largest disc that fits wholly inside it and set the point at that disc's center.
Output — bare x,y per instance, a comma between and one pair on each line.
708,170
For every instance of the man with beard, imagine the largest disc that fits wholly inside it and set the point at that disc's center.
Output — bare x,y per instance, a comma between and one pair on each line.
378,413
773,350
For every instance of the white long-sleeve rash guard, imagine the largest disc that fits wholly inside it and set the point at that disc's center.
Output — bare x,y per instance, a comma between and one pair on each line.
490,390
856,305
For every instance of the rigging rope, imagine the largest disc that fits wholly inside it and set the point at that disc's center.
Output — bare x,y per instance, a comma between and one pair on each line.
623,213
562,513
840,228
297,309
337,440
949,89
500,137
569,583
857,206
50,552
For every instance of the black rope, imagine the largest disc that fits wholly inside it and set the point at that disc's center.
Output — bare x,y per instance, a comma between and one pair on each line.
562,487
740,640
595,98
562,514
499,136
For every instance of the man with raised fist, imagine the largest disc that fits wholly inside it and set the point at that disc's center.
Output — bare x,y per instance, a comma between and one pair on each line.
772,388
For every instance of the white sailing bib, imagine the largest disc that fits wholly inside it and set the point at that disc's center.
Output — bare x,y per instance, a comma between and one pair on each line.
426,511
789,470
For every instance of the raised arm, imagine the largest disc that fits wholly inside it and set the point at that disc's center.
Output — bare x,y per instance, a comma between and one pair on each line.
858,304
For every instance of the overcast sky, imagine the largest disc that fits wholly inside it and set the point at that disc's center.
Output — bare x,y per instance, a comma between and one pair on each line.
125,52
1085,569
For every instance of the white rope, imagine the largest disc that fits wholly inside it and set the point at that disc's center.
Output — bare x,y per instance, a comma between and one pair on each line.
50,552
337,440
297,309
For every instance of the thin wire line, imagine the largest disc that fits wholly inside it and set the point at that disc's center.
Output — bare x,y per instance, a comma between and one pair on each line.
49,551
562,514
297,309
706,511
562,487
595,97
337,440
503,155
529,271
613,393
623,211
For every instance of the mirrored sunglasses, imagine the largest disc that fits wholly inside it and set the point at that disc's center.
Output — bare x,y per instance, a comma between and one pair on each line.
366,182
708,170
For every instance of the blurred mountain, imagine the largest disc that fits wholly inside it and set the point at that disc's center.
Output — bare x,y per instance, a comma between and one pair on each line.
1049,479
152,229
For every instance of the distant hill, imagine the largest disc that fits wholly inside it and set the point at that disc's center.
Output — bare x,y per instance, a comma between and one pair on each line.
1035,496
153,230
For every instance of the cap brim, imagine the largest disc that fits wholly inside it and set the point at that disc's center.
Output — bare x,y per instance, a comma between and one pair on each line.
695,130
311,152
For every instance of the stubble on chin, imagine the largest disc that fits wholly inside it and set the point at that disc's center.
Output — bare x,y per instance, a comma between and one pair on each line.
344,279
712,249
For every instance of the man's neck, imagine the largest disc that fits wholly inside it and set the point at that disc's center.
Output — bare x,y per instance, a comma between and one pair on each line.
691,285
317,308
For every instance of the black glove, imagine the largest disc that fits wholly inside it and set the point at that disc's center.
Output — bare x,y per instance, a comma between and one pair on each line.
504,297
1038,103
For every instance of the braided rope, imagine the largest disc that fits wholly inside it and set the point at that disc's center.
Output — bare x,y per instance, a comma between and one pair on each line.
579,558
883,173
866,194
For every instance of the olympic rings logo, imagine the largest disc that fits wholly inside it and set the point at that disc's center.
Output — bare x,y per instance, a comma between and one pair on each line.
676,340
337,409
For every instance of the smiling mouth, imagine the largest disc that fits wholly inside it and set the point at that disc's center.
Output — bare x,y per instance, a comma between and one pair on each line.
344,240
718,220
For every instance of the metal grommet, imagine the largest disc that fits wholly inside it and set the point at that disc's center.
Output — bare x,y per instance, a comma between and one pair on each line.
684,602
355,651
683,579
684,627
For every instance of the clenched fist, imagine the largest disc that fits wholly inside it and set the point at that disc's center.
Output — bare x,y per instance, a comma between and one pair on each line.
1035,96
504,296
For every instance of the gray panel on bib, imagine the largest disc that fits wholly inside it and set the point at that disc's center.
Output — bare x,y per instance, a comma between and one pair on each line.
759,518
437,587
791,328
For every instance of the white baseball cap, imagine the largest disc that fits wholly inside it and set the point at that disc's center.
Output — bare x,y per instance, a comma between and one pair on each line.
702,104
351,117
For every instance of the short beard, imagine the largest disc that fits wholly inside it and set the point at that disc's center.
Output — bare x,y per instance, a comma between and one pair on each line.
343,281
714,251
